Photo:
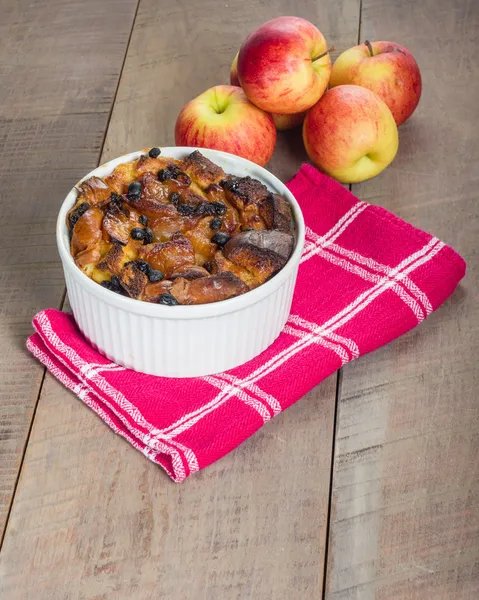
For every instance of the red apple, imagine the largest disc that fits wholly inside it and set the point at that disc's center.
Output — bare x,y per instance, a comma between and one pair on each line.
282,122
223,118
284,65
387,69
350,134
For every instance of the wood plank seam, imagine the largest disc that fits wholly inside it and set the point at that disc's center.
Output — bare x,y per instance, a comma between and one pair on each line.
64,294
339,379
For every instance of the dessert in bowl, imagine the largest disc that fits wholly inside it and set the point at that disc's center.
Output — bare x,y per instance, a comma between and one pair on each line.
180,262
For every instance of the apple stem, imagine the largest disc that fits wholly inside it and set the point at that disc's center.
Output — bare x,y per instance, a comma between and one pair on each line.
332,49
367,43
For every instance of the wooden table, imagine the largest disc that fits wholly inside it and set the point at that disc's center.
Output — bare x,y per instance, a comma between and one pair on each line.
368,487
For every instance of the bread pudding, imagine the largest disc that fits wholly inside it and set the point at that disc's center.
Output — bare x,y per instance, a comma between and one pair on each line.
179,231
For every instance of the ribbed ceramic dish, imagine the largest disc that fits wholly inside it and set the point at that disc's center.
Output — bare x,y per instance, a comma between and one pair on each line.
182,341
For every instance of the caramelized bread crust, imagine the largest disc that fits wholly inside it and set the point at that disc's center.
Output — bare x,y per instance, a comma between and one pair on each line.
179,231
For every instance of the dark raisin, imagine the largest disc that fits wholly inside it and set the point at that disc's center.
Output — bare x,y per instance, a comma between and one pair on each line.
115,281
143,266
186,209
149,236
205,209
134,191
164,174
154,153
81,210
220,208
115,198
154,275
232,185
74,216
113,285
223,182
175,170
167,299
208,266
220,238
216,223
78,212
137,233
171,172
143,220
174,198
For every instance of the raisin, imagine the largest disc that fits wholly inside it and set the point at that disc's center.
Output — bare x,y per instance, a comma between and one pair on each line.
174,198
154,153
232,185
154,275
171,172
167,299
134,191
220,238
143,266
78,212
115,198
143,220
81,210
73,219
113,285
220,208
115,282
149,236
186,209
137,233
205,209
216,223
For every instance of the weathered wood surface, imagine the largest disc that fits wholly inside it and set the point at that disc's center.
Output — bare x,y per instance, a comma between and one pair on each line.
59,67
92,518
405,503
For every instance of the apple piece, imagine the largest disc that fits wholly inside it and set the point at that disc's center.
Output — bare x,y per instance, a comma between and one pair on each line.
350,134
223,118
284,65
387,69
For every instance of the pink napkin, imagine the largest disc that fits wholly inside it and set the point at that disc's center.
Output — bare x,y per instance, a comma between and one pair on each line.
366,277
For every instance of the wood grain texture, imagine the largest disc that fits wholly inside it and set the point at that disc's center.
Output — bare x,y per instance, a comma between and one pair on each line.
59,66
405,504
93,518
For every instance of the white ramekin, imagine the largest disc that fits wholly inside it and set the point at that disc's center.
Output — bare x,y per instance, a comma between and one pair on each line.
182,341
